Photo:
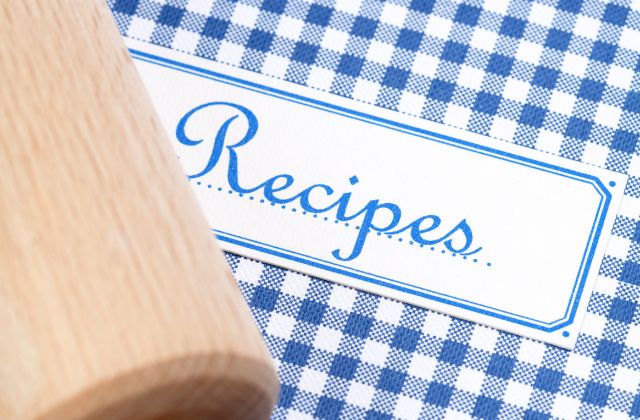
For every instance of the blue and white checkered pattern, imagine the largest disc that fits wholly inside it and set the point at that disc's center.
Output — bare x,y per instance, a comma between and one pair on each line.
562,77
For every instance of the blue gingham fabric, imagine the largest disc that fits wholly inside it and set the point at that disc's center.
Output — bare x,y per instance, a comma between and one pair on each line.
559,76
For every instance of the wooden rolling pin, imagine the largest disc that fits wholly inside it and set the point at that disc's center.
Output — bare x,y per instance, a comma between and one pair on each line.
115,302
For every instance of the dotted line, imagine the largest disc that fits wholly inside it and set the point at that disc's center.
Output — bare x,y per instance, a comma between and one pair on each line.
346,224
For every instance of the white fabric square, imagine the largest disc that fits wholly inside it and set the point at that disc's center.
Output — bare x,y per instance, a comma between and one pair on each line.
230,53
574,64
633,338
380,52
606,286
422,366
275,66
531,352
342,297
593,324
626,379
611,413
327,339
186,41
484,338
634,166
516,90
618,246
541,14
348,6
140,28
245,15
620,77
587,27
562,102
280,326
360,394
457,116
393,14
496,6
565,407
549,141
438,27
248,271
529,52
200,6
517,394
295,284
437,325
425,65
365,91
503,129
608,115
407,408
312,381
595,154
470,77
630,207
470,380
374,352
289,27
334,40
389,311
320,78
629,39
578,365
483,39
411,103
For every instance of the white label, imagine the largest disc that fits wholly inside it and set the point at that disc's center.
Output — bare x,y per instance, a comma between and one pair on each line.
427,214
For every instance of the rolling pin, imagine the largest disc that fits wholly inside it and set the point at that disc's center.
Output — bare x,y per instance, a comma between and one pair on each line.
115,302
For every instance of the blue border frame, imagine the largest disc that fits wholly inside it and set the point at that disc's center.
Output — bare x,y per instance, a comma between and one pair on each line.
585,265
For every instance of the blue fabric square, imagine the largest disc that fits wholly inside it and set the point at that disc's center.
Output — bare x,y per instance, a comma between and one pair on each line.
467,14
534,415
596,393
532,115
170,15
558,39
487,103
622,310
274,6
376,415
350,65
578,128
572,6
635,407
438,394
424,6
512,27
604,52
329,408
260,40
501,366
545,77
441,90
395,78
632,102
305,53
453,352
454,52
636,233
624,141
287,393
364,27
127,7
615,14
590,89
405,339
631,273
215,28
319,15
358,325
409,40
264,298
391,380
296,353
343,367
609,352
500,64
548,380
311,311
486,408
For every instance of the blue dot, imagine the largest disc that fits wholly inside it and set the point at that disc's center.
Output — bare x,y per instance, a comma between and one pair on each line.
410,242
612,183
346,224
389,236
199,183
273,204
294,210
336,222
262,200
443,251
304,212
241,195
283,207
488,264
454,254
433,248
219,189
475,260
251,198
357,227
209,186
315,215
326,218
230,192
565,333
379,233
464,257
399,239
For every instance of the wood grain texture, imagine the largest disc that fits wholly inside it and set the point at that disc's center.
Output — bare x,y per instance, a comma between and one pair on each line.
115,302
